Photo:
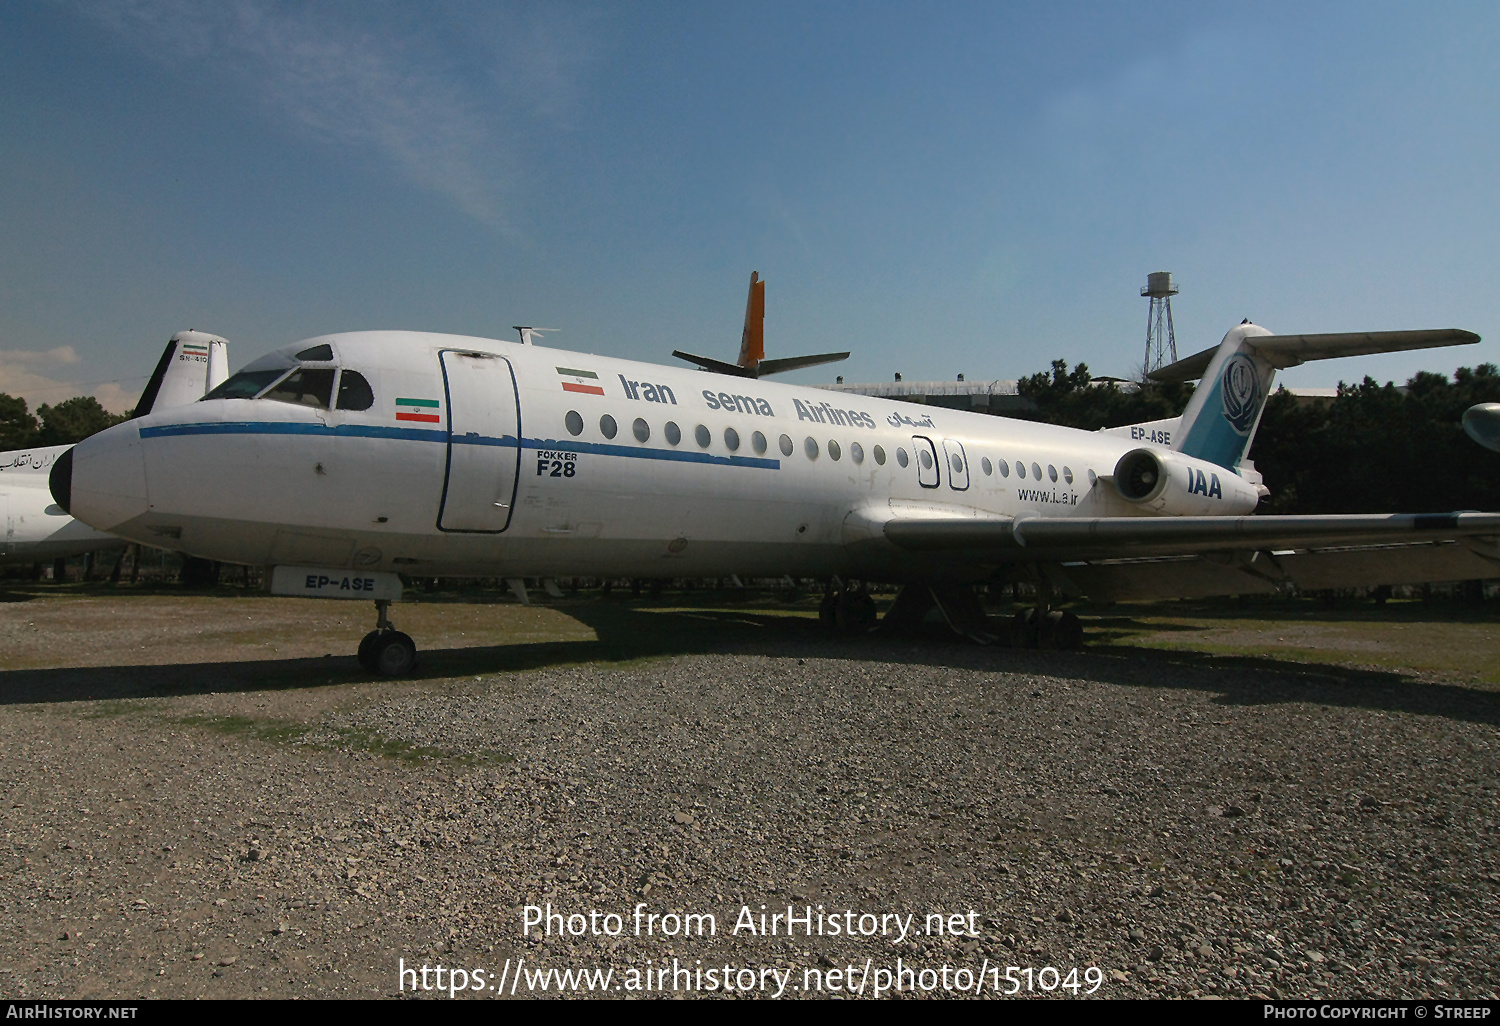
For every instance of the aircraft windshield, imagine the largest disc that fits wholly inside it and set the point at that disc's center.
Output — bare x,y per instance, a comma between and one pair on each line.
246,384
354,391
306,387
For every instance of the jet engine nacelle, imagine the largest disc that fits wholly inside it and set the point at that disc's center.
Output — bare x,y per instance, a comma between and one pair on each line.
1177,485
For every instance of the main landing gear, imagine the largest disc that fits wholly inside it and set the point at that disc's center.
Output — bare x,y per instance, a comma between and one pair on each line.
385,651
958,607
847,609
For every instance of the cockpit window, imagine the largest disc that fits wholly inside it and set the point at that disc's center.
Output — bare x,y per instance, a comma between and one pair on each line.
246,384
317,354
306,387
354,391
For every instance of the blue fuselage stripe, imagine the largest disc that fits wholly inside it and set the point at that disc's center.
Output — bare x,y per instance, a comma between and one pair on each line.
441,435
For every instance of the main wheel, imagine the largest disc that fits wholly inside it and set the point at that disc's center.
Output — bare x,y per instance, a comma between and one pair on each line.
366,644
827,610
392,654
1061,630
854,613
1024,629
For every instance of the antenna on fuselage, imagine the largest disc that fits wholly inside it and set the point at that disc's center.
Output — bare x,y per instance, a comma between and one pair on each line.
527,331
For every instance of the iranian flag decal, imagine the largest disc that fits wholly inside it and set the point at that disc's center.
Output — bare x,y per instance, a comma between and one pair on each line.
575,380
424,410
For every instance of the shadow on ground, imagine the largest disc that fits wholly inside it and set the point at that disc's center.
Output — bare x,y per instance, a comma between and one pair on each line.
627,632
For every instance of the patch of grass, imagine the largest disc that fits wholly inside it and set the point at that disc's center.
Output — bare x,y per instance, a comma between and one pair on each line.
245,726
403,751
345,739
111,708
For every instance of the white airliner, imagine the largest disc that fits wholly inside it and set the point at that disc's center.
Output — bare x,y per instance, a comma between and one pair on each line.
37,529
344,460
1482,423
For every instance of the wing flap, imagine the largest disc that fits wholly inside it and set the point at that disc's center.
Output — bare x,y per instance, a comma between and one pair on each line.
1260,573
1104,537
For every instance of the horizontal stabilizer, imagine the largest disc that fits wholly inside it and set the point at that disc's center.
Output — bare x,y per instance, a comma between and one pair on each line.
1282,351
708,363
765,367
797,362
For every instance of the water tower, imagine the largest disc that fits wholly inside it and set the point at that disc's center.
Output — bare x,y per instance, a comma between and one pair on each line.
1161,341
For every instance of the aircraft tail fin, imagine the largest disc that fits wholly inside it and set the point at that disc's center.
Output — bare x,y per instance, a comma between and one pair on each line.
753,338
752,362
1236,375
192,365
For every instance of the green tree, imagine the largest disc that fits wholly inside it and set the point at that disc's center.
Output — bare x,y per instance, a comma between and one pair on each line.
1073,399
73,420
1380,449
18,428
1373,448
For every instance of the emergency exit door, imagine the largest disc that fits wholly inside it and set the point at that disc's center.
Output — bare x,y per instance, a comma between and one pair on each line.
484,439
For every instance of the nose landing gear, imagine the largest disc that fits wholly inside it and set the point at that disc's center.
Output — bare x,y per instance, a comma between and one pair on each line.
385,651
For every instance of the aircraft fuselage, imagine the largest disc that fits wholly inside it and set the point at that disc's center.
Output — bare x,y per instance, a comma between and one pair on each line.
486,458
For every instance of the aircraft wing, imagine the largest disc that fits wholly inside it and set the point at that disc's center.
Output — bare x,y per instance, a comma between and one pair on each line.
1283,351
1114,558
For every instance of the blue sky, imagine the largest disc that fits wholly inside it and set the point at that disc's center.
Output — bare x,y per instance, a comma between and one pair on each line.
940,188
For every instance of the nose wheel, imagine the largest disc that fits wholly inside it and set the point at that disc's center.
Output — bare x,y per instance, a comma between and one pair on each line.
385,651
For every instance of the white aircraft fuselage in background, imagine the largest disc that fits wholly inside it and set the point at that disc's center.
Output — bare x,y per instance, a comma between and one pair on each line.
445,455
35,528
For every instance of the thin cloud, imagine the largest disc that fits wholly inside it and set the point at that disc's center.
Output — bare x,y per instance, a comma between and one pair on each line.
39,376
379,83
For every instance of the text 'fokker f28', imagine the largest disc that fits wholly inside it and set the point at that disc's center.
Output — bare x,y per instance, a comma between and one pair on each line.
343,461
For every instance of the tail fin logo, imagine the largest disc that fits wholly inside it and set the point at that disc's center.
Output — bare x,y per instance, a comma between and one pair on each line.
1241,391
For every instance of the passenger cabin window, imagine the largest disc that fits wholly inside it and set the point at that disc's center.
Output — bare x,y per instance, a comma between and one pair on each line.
574,421
354,391
758,443
304,387
786,445
674,433
317,354
607,426
880,455
641,430
246,384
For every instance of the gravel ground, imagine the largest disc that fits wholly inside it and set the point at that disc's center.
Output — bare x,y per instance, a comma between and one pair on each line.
1188,825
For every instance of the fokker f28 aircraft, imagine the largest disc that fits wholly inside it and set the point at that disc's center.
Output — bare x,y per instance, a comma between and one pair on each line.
35,528
345,460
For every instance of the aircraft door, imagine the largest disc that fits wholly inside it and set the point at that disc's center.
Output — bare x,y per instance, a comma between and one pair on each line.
484,438
958,465
927,461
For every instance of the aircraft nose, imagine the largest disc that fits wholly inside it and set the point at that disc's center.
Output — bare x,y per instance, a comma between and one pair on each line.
102,480
60,481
